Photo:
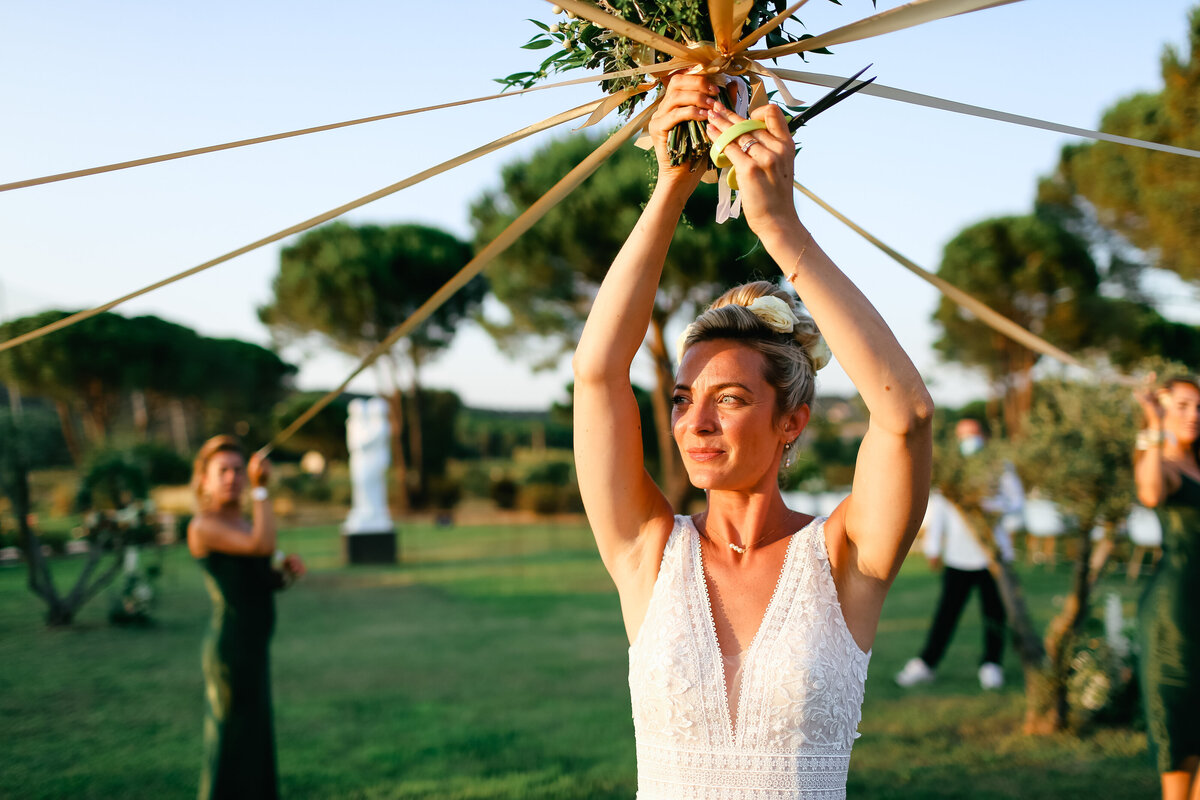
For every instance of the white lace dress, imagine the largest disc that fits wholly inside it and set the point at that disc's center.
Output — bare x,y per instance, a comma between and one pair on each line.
801,692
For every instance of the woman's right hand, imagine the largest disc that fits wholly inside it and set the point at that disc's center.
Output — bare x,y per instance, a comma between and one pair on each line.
259,470
1147,398
687,97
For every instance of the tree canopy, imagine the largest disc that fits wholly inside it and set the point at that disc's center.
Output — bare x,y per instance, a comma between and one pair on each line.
87,368
1031,270
1152,199
351,285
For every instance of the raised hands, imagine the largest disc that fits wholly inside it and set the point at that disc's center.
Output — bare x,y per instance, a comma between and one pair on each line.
688,97
259,470
1147,396
764,162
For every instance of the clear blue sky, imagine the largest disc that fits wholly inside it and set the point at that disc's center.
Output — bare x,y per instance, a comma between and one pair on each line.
89,83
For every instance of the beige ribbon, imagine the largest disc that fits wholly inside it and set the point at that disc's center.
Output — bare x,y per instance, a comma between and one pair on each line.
915,13
984,313
510,234
904,96
312,222
141,162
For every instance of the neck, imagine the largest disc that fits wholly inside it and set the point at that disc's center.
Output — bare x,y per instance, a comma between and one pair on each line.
232,509
746,519
1178,450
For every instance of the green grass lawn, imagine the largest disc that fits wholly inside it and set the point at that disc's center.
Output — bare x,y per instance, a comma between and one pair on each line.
491,664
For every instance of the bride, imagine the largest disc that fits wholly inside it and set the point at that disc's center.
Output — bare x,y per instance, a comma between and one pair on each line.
751,624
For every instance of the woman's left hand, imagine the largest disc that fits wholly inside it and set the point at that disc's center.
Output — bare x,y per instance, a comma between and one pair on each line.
293,566
765,169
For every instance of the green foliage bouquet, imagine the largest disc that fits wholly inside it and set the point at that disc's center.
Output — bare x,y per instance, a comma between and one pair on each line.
583,44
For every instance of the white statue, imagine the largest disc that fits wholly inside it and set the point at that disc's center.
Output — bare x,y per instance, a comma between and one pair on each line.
367,436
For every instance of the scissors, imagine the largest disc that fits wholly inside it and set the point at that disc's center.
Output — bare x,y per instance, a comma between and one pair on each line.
835,96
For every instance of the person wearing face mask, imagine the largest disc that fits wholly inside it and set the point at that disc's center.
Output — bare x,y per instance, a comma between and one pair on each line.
951,546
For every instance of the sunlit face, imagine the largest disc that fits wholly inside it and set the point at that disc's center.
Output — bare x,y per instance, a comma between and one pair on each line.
224,478
724,418
1181,407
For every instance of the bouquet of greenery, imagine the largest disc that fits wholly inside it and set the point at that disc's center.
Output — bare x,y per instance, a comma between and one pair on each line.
581,44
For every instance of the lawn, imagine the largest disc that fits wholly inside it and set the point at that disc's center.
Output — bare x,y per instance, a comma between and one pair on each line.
491,664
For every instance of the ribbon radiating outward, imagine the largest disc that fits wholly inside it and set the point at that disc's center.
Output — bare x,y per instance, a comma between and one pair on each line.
724,57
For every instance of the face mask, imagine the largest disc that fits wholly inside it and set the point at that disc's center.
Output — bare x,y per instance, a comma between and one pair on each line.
970,445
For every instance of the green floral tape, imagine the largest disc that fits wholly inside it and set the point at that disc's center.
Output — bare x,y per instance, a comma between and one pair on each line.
717,154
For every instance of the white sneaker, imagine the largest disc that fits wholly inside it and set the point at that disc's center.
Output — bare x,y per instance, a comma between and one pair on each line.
991,676
914,672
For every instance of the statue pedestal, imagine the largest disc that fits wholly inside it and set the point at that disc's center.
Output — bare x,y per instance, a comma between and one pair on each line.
369,548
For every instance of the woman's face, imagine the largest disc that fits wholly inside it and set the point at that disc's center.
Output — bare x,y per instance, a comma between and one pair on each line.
225,478
724,418
1181,406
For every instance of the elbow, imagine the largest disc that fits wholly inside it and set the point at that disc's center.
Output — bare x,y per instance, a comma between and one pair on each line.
592,370
916,419
1149,498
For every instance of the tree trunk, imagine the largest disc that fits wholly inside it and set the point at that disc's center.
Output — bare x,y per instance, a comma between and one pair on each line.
675,484
70,434
396,412
141,413
416,451
179,428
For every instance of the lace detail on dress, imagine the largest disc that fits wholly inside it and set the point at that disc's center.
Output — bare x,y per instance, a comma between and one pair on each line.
800,699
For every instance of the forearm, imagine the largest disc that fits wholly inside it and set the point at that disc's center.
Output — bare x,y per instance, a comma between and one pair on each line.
1149,475
262,530
620,314
865,347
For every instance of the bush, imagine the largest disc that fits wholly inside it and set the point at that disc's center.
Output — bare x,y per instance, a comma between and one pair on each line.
443,493
541,498
548,498
554,473
304,486
504,493
163,465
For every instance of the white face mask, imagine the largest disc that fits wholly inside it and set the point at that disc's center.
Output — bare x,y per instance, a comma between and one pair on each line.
970,445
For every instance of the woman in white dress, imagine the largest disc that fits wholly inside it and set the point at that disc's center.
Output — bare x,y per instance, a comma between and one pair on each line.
750,623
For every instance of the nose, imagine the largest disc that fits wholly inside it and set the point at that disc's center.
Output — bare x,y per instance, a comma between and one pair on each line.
702,418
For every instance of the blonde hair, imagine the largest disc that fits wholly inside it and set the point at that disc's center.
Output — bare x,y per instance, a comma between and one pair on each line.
789,357
217,444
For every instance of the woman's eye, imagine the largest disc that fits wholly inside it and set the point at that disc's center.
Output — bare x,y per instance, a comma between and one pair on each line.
729,399
678,400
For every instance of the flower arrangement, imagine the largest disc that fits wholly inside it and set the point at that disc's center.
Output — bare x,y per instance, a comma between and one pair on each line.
583,44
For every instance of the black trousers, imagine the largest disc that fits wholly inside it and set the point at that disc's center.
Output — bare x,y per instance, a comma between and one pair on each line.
956,589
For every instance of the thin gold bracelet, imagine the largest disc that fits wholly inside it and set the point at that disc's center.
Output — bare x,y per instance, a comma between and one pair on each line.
795,272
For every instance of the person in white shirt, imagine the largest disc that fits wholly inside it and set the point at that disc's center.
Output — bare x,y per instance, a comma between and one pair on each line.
950,545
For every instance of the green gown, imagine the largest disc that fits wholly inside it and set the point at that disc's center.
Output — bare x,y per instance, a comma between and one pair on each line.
239,740
1169,634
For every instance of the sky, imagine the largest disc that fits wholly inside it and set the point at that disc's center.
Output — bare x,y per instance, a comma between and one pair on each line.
88,84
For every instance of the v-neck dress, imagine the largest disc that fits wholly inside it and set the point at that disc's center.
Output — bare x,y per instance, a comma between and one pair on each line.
802,681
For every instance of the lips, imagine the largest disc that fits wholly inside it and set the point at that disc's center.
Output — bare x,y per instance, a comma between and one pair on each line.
704,453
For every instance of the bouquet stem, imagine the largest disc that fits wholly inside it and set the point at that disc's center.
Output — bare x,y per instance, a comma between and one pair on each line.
688,143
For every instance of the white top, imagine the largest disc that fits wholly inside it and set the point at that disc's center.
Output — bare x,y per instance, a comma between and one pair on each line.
801,684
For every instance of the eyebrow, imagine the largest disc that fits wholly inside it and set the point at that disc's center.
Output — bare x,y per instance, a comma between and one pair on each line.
718,387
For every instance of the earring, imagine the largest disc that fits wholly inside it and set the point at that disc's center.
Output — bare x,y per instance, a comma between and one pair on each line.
789,453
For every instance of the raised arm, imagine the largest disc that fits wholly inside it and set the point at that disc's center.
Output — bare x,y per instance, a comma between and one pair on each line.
1154,478
627,512
875,525
210,532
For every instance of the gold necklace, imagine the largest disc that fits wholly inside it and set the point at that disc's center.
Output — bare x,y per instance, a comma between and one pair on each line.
741,549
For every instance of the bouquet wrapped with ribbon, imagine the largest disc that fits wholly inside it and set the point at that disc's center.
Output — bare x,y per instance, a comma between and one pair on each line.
694,35
638,42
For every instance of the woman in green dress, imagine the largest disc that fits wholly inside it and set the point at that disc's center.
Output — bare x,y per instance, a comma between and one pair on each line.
241,571
1167,473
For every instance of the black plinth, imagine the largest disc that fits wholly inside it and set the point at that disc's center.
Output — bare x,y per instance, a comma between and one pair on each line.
370,548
